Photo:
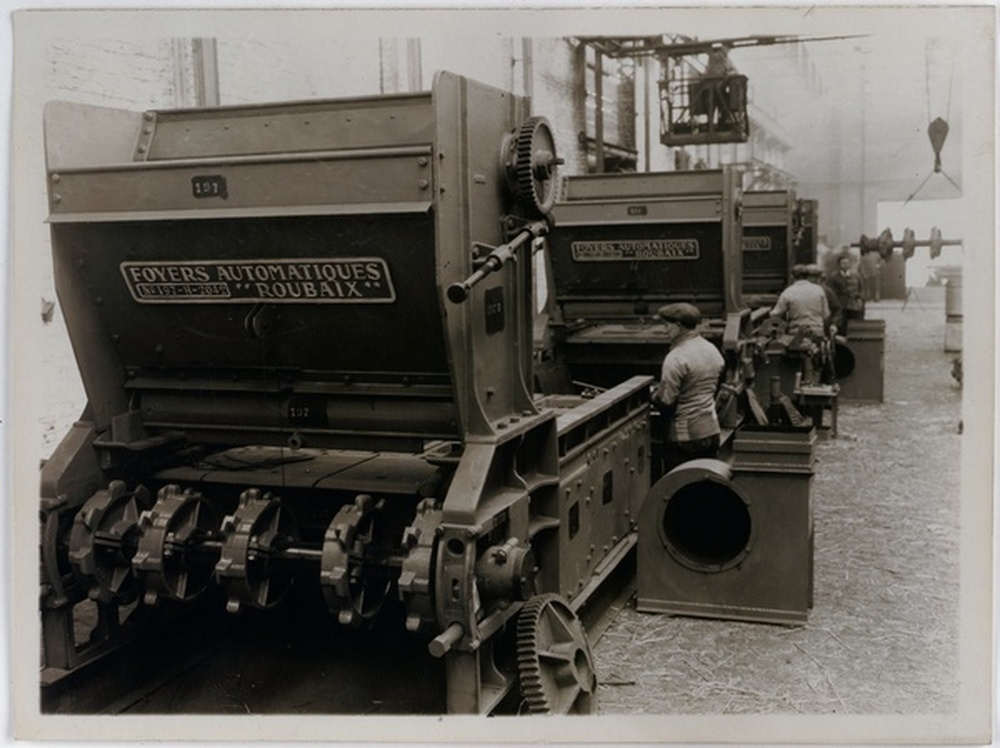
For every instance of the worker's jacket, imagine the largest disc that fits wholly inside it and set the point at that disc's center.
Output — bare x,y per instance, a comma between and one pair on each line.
848,290
688,381
805,307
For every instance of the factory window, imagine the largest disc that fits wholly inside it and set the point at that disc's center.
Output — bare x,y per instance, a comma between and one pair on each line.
609,133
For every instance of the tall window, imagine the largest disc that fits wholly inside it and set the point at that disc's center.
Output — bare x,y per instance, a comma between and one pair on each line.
609,111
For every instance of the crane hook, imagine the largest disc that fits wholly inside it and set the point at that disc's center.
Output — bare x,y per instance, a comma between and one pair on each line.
937,131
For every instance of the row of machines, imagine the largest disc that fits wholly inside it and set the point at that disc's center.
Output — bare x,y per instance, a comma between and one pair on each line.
312,354
730,537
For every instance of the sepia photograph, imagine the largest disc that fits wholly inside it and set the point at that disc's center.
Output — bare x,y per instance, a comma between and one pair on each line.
590,375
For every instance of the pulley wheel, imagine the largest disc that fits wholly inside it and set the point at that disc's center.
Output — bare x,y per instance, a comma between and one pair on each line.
554,660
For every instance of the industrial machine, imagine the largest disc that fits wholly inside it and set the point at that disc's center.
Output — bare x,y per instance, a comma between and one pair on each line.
733,539
622,246
304,332
728,537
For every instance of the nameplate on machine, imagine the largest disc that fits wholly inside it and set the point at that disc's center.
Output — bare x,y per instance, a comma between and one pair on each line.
636,249
355,280
756,243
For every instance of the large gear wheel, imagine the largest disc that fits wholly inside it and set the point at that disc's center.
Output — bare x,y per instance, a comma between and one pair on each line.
531,163
554,660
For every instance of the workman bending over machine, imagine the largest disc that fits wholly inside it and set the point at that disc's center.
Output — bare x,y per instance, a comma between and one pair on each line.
803,305
686,392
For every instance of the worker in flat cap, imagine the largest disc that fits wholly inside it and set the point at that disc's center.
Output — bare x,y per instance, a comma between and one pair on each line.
686,392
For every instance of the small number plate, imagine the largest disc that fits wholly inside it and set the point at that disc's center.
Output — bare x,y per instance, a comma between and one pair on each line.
209,186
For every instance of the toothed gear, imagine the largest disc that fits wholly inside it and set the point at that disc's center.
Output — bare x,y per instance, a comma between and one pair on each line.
535,166
554,660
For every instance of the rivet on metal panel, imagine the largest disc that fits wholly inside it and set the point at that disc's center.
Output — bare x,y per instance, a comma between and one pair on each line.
424,184
422,161
141,149
56,178
148,116
57,198
147,130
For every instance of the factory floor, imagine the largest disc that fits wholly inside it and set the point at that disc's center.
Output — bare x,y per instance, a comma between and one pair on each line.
883,635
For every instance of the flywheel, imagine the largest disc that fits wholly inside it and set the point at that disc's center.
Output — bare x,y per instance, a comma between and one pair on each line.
530,161
554,660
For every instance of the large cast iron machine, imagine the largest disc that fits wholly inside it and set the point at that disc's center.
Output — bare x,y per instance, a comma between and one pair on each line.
304,331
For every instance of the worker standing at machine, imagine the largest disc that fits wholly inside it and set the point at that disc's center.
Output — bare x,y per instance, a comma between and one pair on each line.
686,392
847,285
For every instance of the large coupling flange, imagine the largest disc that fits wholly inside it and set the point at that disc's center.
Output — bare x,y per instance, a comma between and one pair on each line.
354,592
250,566
103,541
175,557
416,578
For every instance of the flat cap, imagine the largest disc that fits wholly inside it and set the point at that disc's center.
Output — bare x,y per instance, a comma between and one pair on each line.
813,269
799,271
684,314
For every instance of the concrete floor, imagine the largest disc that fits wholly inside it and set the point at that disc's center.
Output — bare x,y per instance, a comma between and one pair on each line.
883,636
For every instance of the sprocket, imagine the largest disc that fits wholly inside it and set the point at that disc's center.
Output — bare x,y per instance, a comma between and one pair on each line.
531,163
554,660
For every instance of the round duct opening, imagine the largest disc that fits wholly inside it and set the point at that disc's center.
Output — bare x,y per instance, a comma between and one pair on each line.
707,526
